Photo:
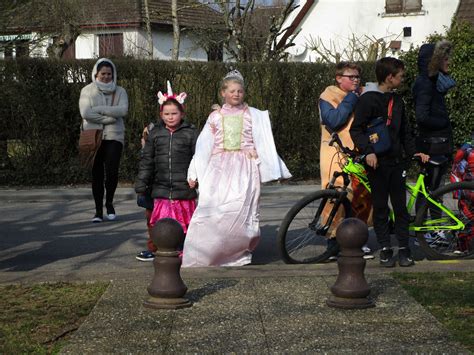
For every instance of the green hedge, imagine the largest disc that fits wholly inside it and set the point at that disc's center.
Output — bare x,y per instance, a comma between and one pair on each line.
39,115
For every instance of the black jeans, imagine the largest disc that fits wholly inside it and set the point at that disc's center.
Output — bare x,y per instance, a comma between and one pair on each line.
106,161
389,181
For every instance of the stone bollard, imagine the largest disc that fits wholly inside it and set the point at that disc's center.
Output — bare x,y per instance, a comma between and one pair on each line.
167,288
351,289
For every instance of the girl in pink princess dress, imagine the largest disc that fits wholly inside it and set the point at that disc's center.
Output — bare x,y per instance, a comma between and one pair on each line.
235,152
163,168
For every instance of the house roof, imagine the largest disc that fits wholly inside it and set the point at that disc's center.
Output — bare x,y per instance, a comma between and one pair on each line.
118,13
465,11
191,13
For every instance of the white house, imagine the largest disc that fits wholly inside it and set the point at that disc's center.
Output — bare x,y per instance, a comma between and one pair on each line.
327,27
118,28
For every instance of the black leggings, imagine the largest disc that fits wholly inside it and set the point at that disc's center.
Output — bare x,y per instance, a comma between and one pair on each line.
107,160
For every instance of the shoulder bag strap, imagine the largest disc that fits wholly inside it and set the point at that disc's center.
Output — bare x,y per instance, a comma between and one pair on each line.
390,111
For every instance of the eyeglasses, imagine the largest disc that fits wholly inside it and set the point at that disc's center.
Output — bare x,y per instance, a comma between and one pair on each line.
352,77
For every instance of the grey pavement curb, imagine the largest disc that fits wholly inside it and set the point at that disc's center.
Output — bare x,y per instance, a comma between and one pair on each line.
144,271
126,193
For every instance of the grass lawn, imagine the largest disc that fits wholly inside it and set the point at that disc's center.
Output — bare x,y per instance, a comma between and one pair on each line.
39,318
449,297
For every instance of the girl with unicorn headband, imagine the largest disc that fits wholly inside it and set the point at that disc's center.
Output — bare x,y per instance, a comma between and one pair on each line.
235,152
166,155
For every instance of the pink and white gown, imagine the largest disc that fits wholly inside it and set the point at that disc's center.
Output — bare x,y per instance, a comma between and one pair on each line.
224,228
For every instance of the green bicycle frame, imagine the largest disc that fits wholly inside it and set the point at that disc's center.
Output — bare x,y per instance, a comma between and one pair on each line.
358,170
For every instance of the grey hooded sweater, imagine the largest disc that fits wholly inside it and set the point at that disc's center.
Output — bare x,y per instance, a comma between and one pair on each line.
97,111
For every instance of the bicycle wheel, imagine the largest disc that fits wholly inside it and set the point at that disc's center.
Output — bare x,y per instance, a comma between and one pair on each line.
444,243
302,236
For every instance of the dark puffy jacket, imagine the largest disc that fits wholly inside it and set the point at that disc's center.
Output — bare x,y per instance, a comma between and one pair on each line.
374,104
430,105
165,161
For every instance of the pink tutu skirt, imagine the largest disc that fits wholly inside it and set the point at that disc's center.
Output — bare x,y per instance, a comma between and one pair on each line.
180,210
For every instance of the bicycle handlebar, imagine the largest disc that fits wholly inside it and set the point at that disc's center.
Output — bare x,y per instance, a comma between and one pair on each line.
361,158
352,153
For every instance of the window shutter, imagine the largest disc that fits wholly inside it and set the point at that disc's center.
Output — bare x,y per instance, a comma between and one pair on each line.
70,52
412,5
393,6
111,44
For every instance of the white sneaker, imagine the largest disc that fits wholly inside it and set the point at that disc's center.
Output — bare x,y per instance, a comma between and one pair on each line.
110,213
97,219
367,253
437,238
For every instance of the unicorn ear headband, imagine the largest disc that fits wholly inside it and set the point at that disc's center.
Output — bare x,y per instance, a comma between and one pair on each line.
169,95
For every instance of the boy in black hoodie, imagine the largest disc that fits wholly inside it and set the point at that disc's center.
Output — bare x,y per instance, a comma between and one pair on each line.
386,172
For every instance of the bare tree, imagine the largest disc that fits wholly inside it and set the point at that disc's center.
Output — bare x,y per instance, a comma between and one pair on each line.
176,30
273,51
364,48
235,19
149,36
57,19
250,32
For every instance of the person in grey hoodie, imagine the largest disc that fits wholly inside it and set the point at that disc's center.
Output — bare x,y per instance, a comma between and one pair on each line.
103,105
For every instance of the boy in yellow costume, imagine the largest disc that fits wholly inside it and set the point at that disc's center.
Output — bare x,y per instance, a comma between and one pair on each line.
336,108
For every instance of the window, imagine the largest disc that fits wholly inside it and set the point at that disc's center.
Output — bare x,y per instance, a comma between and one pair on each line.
402,6
215,53
15,49
7,49
111,44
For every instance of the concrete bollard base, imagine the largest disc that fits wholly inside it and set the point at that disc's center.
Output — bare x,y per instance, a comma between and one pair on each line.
350,303
166,303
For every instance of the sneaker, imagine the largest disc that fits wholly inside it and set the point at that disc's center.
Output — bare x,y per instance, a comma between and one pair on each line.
404,257
145,255
332,243
97,218
367,253
386,257
111,213
436,239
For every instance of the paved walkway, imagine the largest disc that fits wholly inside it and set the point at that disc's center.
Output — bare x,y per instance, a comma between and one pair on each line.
270,308
276,313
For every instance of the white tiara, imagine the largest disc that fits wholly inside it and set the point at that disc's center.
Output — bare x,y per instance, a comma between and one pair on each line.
234,74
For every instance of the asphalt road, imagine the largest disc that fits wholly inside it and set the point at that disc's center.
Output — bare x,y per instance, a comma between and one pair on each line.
44,238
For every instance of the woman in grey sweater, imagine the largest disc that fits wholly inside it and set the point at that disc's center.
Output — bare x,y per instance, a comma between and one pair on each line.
103,104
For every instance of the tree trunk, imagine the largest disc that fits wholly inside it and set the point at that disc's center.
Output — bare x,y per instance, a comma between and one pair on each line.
176,30
149,37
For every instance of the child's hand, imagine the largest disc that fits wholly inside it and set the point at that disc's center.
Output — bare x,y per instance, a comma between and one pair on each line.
424,157
144,136
371,160
192,183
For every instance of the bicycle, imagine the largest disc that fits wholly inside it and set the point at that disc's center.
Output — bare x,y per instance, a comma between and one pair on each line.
447,234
